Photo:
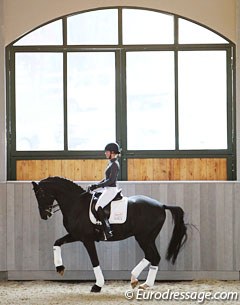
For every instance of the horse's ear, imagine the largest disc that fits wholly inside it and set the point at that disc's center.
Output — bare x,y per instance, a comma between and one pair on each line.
35,186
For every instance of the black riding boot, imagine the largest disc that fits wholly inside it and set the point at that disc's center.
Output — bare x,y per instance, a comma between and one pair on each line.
106,225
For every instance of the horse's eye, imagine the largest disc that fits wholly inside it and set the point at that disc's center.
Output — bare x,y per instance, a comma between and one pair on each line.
41,193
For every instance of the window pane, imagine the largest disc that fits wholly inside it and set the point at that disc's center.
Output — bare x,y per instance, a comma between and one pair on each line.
50,34
39,101
91,100
147,27
202,100
97,27
150,100
190,32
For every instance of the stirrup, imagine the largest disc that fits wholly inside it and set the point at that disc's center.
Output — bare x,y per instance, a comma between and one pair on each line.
107,234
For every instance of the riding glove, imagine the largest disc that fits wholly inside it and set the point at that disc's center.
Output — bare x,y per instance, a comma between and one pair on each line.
93,187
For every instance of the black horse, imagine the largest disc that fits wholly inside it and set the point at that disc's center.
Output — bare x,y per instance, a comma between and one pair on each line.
145,218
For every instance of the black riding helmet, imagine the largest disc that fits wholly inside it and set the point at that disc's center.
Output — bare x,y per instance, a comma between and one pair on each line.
113,147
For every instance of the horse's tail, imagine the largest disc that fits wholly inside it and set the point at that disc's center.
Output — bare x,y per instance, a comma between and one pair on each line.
179,235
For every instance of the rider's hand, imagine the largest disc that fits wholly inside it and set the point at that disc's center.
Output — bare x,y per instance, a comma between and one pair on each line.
92,187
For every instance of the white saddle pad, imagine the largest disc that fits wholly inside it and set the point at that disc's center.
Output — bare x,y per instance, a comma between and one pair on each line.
118,212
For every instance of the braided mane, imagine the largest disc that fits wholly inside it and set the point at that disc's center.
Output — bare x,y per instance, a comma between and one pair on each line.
63,182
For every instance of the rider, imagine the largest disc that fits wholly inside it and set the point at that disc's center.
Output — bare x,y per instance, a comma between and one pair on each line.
110,190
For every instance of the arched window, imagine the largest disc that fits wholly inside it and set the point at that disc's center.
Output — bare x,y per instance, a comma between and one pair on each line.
160,85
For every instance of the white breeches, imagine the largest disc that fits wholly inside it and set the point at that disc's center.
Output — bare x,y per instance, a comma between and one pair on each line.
107,195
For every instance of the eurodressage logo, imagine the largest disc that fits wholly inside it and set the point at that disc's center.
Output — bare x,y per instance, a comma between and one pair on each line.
170,295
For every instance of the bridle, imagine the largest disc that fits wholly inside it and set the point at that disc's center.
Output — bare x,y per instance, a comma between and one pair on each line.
50,209
40,193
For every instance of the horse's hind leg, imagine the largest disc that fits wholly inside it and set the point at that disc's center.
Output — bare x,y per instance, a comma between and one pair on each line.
137,271
152,257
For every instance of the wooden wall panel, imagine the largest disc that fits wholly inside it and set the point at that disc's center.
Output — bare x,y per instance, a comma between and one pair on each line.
138,169
78,170
177,169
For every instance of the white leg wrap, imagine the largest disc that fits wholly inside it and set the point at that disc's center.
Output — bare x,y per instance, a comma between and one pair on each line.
57,256
152,273
99,276
139,268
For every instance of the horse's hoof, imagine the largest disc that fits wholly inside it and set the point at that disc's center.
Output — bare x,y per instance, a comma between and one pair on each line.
134,284
60,270
143,286
96,288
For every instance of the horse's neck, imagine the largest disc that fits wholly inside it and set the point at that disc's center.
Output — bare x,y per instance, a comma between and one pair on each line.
73,203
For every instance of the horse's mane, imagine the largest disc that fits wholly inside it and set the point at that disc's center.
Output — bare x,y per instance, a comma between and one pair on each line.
63,182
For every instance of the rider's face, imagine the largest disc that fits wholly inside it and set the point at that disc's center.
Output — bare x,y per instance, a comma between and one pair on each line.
107,154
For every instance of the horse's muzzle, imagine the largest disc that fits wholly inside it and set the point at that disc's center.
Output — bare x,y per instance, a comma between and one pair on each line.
45,214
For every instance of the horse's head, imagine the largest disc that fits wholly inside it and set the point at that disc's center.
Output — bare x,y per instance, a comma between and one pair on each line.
45,201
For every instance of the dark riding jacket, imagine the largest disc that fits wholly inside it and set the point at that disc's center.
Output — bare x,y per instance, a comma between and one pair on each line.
111,174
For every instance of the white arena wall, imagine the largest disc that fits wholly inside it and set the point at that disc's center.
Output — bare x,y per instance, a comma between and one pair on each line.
212,251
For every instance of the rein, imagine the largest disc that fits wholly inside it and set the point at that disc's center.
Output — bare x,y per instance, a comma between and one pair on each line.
50,209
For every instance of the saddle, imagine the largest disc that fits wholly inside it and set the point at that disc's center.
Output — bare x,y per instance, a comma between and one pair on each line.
116,210
107,208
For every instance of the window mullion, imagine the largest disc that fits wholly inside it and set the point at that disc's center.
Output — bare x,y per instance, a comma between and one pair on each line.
65,108
121,112
176,101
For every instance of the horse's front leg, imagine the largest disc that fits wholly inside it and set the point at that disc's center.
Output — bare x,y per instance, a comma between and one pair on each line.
57,252
92,252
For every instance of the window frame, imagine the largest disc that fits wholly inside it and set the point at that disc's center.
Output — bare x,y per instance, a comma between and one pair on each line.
121,106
